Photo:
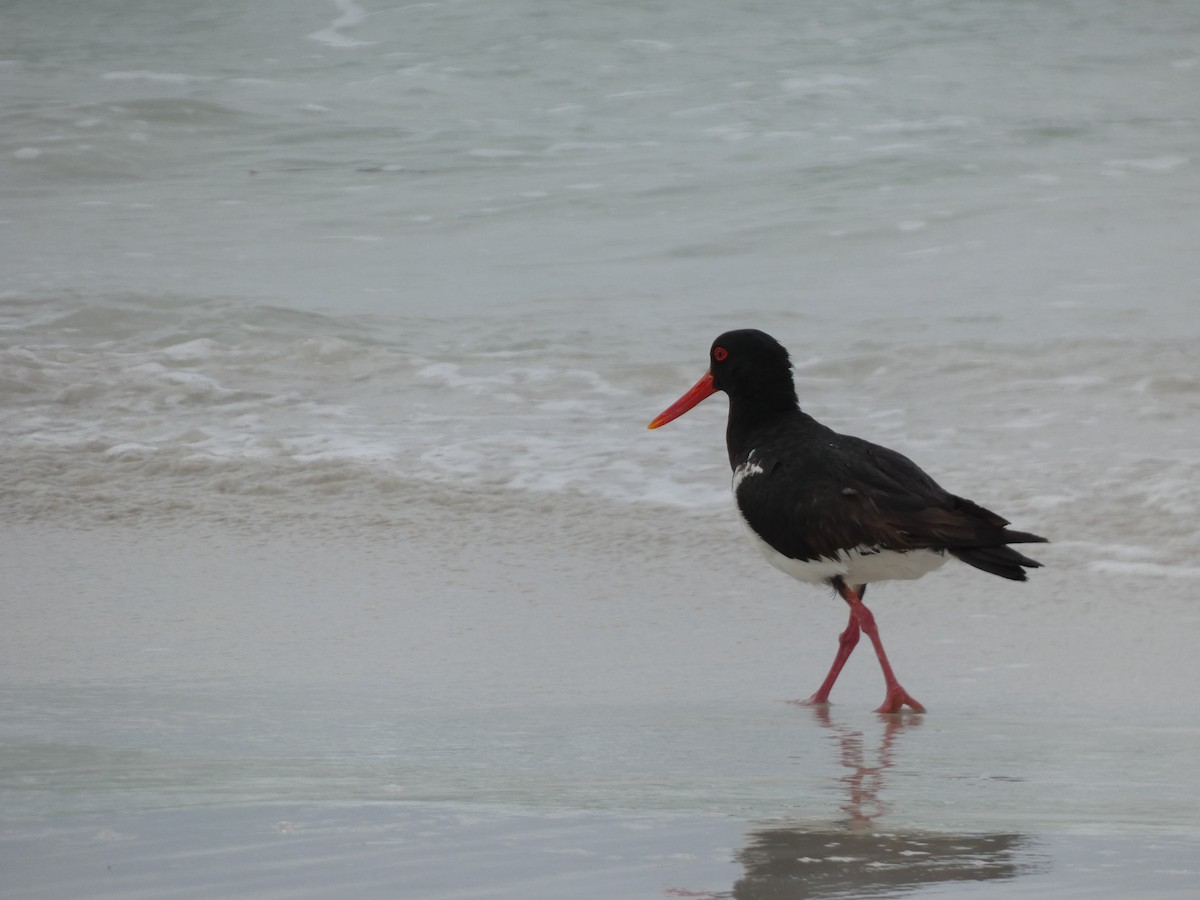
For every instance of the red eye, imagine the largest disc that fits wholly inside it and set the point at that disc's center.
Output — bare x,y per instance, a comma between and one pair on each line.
720,354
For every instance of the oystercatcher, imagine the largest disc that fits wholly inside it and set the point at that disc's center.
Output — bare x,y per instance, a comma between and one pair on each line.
834,509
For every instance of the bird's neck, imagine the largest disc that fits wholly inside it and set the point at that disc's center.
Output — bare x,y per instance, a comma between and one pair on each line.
751,412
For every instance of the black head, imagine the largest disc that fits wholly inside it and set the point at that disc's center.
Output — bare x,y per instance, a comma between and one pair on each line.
752,368
748,363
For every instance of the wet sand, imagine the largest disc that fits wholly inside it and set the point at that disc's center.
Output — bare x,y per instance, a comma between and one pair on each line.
575,709
444,852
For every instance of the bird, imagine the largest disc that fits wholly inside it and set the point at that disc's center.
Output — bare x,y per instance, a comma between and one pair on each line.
834,509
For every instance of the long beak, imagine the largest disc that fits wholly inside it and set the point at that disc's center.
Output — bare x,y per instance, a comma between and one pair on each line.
701,389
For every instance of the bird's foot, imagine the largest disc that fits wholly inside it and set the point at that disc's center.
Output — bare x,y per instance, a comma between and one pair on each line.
817,699
898,698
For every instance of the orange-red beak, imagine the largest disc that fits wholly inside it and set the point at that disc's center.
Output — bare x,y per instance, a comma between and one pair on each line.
701,389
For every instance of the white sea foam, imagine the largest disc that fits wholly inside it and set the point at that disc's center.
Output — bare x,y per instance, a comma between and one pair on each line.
1151,164
269,406
351,15
1139,569
161,77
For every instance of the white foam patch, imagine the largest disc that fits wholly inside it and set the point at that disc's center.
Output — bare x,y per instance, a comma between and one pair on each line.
1151,164
905,126
494,153
227,391
828,82
1144,569
129,449
190,351
159,77
351,15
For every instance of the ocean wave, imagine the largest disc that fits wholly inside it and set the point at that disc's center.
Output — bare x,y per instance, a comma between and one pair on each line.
151,407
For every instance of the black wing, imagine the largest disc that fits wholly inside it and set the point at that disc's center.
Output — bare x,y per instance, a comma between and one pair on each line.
834,492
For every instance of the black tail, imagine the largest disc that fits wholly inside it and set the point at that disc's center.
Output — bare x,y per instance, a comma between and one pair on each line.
999,559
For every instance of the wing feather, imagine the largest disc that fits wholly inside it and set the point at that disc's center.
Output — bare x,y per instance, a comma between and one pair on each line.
853,493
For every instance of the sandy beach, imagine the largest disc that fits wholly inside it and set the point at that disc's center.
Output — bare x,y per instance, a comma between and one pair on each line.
578,710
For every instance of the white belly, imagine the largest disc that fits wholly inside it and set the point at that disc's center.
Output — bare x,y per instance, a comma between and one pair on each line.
860,565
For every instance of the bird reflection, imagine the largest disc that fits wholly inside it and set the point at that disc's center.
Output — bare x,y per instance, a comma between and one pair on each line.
859,856
864,781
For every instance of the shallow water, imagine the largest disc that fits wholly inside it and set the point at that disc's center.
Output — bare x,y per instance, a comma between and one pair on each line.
337,556
589,719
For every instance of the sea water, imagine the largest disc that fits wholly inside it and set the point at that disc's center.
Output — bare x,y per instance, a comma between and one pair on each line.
406,282
482,243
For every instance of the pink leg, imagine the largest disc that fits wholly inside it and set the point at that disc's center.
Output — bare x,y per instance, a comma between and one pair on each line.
897,697
846,643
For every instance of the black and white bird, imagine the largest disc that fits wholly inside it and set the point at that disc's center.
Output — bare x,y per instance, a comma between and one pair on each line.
828,508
